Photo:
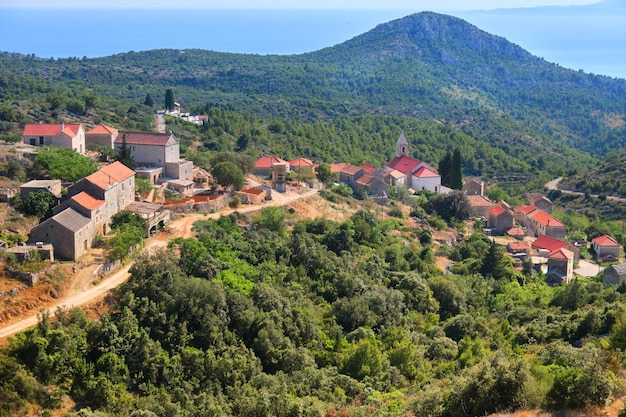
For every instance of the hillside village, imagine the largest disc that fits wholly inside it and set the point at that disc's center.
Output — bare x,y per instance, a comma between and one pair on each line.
84,212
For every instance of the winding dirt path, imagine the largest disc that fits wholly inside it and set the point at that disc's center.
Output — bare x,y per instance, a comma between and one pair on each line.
179,228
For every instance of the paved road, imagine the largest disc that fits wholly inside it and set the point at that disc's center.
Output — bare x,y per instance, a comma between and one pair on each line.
554,185
179,228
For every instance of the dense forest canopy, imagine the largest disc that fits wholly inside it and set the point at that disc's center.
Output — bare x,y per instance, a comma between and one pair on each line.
349,318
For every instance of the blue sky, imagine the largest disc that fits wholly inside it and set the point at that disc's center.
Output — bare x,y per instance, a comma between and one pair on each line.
291,4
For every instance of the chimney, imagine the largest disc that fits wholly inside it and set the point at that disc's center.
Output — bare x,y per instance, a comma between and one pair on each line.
62,126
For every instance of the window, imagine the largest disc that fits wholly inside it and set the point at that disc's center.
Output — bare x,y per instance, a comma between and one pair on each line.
41,140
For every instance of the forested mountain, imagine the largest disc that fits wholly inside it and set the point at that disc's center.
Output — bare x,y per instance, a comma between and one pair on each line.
426,65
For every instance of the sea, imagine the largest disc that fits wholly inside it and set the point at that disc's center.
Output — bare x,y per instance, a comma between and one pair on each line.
571,37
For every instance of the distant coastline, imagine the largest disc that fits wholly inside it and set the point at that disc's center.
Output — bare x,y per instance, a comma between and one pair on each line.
573,40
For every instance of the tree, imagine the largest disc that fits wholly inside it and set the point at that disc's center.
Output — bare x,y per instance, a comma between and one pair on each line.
125,156
228,174
444,168
38,203
455,181
129,218
324,174
149,101
63,163
244,162
454,204
169,99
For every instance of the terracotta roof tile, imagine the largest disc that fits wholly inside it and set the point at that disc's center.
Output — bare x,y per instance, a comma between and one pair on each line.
87,201
350,169
605,240
549,243
497,211
364,179
110,175
43,129
561,253
404,164
525,209
337,167
479,201
301,162
545,219
268,161
424,172
102,130
144,138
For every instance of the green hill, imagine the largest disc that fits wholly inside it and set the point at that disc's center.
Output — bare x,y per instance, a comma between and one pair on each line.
426,66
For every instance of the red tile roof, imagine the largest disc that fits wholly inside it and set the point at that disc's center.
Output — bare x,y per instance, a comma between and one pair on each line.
87,201
144,138
561,254
110,175
516,231
369,168
519,247
404,164
268,161
479,201
394,173
42,129
525,209
364,179
605,240
545,219
497,211
350,169
424,172
102,130
337,167
549,243
301,162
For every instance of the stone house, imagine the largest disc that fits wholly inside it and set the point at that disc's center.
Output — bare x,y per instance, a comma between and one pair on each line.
349,174
545,245
606,248
545,224
52,186
263,166
480,205
560,267
101,135
71,136
521,214
500,219
474,186
302,166
614,275
87,211
69,232
162,150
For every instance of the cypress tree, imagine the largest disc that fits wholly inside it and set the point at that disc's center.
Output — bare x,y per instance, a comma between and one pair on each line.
169,99
455,180
445,166
124,155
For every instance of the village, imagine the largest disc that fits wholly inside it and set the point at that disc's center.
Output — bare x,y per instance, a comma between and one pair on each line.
84,212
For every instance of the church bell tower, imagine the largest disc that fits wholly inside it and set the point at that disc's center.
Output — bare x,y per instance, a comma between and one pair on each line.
402,146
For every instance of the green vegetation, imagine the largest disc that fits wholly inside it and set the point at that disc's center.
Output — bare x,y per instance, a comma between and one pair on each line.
38,203
63,164
325,318
130,231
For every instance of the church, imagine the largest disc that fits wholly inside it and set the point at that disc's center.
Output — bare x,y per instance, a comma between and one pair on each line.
414,174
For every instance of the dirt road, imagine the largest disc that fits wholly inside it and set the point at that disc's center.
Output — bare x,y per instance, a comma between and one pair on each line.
179,228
